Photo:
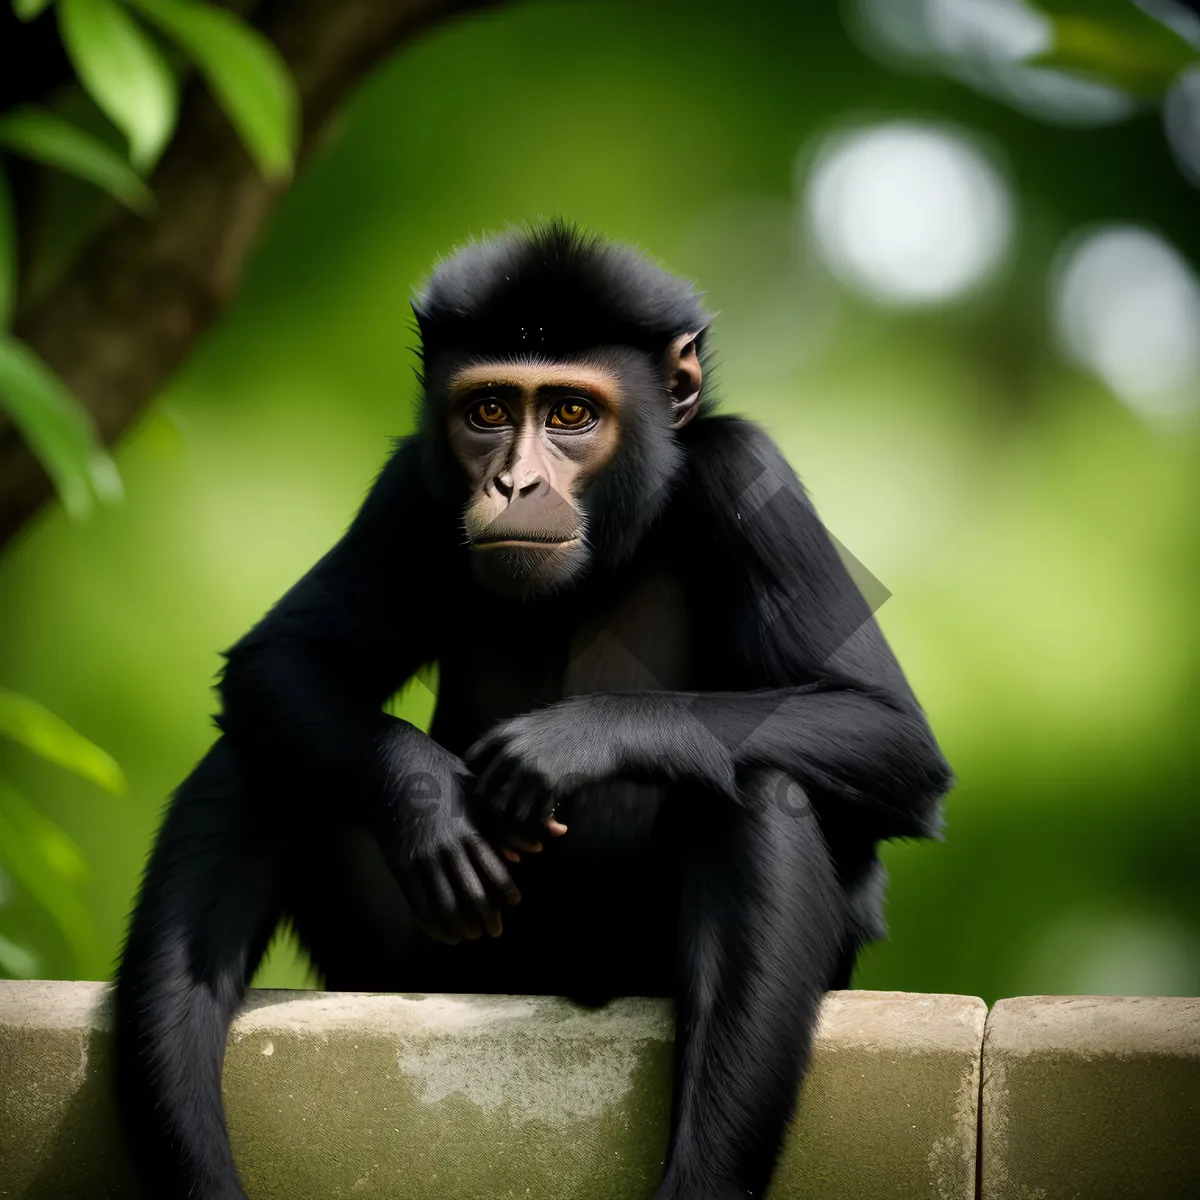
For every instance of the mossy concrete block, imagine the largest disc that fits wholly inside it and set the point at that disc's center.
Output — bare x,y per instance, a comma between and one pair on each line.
416,1097
58,1133
1092,1098
440,1097
890,1107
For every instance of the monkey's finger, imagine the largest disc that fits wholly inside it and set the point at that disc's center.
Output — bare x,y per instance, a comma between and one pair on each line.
474,903
435,921
422,911
535,803
415,880
529,801
545,815
446,904
520,826
493,872
523,845
511,855
506,794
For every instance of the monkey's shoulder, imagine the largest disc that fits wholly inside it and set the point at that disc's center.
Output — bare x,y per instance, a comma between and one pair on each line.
729,437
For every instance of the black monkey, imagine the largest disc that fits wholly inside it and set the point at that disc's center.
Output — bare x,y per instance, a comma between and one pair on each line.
644,634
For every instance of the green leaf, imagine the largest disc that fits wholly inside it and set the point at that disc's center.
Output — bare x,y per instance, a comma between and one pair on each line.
38,729
26,10
55,849
8,253
47,138
48,865
246,73
1116,42
17,962
57,428
124,73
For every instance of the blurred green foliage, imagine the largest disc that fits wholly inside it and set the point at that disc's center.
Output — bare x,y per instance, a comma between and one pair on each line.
1115,41
130,80
1039,537
34,851
123,71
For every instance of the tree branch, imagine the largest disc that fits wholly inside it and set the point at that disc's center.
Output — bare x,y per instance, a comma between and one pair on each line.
132,306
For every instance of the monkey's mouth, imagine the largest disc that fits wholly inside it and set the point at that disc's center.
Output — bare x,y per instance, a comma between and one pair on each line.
528,564
528,542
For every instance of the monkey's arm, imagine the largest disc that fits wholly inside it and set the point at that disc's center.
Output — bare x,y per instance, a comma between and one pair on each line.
819,694
302,698
841,745
822,696
308,682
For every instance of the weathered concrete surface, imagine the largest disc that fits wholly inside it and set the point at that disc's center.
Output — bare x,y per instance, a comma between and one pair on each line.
890,1104
412,1098
58,1136
1092,1098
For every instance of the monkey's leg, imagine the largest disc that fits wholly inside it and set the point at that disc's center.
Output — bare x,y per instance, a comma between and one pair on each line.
762,926
208,905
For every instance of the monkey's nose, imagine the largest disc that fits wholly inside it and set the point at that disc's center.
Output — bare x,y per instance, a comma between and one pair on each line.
506,485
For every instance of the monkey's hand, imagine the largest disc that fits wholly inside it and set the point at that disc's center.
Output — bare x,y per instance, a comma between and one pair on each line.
528,764
453,880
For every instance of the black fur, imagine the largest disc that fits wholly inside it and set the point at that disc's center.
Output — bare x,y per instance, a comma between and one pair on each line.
711,709
553,291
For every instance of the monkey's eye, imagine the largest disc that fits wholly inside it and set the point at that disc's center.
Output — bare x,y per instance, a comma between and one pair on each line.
488,414
570,414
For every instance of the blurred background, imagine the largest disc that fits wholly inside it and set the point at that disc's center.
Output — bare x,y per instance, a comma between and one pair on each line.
959,287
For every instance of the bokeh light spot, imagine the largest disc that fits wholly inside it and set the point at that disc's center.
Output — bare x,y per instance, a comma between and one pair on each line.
986,44
1181,115
906,212
996,29
1127,308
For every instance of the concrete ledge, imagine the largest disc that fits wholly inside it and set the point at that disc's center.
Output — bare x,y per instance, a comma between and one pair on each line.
1095,1097
410,1097
416,1097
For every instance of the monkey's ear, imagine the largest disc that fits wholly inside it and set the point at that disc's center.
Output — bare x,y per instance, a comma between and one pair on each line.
684,377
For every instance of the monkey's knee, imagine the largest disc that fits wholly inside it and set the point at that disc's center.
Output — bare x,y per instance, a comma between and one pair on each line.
781,846
774,803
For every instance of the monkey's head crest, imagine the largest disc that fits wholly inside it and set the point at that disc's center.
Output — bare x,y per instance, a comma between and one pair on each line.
553,290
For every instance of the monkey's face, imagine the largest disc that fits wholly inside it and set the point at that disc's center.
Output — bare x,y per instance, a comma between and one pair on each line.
530,435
